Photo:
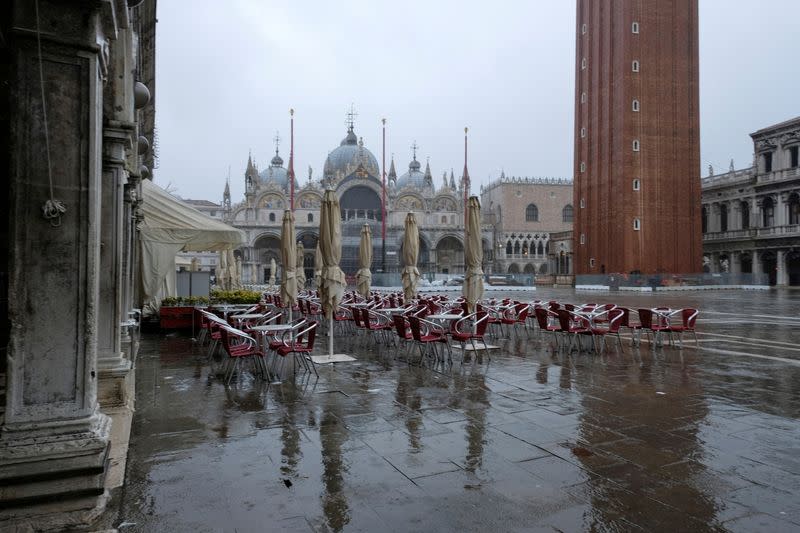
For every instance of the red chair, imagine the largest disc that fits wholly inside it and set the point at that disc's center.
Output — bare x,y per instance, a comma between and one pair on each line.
239,345
402,328
614,320
574,325
376,323
470,328
301,347
688,318
427,334
545,319
625,322
651,326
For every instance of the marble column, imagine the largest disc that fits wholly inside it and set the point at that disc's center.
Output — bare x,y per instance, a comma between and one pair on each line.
782,278
54,440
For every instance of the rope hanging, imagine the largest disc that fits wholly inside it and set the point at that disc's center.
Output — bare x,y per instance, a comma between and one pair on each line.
52,209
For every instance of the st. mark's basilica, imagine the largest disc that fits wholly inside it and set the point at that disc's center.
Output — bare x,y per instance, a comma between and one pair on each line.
352,170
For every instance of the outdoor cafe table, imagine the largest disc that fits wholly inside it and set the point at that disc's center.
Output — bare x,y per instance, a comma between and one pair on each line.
270,328
391,310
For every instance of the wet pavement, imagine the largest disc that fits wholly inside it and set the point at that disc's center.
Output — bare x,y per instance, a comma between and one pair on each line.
699,439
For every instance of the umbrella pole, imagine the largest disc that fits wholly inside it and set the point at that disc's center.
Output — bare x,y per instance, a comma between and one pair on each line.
330,337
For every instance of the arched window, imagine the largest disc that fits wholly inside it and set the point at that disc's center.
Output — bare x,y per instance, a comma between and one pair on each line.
272,217
745,209
583,98
532,213
723,217
516,248
704,219
794,209
634,27
311,217
509,249
635,66
568,213
540,249
635,106
636,145
525,248
583,63
768,210
444,220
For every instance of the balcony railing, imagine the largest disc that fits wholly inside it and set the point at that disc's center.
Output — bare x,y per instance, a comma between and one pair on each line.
752,233
779,175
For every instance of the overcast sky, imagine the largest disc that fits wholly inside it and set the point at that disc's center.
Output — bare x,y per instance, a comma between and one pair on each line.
228,73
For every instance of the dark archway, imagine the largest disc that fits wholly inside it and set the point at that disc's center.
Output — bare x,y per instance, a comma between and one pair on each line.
513,268
746,264
361,198
265,248
793,267
769,265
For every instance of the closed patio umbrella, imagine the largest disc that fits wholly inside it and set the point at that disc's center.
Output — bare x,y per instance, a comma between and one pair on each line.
300,275
239,271
332,281
230,273
317,267
410,274
272,268
472,290
289,260
364,276
221,273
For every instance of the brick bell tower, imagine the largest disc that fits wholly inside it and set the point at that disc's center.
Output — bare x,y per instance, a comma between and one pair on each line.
637,137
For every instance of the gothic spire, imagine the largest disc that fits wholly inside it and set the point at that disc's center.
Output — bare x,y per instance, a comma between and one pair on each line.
392,171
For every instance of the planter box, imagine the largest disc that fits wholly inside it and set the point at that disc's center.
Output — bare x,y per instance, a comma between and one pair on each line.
179,317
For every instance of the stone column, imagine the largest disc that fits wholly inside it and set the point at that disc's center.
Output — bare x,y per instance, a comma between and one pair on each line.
54,440
736,262
112,364
782,279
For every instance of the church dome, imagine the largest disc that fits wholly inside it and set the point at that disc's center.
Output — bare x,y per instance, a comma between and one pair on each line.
348,157
413,178
275,174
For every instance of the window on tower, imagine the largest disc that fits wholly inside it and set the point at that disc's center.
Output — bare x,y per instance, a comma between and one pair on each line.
272,217
583,29
635,66
583,63
636,145
311,217
583,98
583,238
583,132
583,166
635,105
635,27
531,213
637,185
637,224
583,203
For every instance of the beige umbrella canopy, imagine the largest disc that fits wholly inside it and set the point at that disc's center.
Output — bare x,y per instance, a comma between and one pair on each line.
289,260
364,276
472,290
317,267
272,268
410,274
330,246
300,275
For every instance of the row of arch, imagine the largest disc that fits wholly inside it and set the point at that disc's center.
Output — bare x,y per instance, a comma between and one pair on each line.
529,268
767,219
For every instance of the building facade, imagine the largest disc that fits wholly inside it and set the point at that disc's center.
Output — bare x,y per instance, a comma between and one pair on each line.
526,212
353,172
637,152
751,217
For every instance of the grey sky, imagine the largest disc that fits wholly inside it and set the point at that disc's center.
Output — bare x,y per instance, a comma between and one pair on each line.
228,72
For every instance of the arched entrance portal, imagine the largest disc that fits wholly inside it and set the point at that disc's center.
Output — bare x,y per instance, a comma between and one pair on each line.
450,255
265,248
793,267
769,265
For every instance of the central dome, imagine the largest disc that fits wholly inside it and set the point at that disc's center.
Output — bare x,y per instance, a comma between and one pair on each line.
348,157
276,174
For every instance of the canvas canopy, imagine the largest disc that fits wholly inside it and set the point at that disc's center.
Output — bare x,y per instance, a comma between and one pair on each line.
170,226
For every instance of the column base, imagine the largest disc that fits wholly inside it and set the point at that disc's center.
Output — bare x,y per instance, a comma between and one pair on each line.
45,470
112,377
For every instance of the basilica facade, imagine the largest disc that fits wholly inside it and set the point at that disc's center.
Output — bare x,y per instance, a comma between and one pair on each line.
353,172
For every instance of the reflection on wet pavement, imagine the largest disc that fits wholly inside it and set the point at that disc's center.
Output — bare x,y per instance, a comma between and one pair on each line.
689,440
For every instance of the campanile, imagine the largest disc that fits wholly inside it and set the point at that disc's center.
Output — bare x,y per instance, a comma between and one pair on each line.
637,137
